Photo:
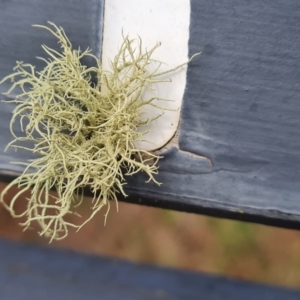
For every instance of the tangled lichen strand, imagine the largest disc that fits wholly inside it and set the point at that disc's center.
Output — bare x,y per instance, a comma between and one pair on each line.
83,133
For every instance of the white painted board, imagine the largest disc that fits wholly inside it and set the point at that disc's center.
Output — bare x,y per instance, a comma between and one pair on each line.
165,21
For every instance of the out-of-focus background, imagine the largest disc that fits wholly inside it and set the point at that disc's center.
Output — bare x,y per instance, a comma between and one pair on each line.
182,240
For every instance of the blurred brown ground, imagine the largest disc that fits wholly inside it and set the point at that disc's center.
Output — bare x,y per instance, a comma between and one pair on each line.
182,240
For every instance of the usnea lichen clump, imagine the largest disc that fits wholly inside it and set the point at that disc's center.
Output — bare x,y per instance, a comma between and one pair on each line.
82,132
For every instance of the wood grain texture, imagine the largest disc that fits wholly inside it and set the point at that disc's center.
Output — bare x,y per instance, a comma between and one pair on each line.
82,22
240,112
31,272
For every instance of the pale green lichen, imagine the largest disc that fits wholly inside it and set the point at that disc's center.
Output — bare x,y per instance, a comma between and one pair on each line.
83,133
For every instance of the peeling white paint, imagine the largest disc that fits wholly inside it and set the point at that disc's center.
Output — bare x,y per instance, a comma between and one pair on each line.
165,21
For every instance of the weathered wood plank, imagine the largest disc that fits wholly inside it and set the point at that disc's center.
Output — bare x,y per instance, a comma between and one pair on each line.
82,22
240,109
31,272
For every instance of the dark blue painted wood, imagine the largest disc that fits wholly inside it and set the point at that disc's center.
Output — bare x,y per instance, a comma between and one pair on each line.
31,272
82,22
240,109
